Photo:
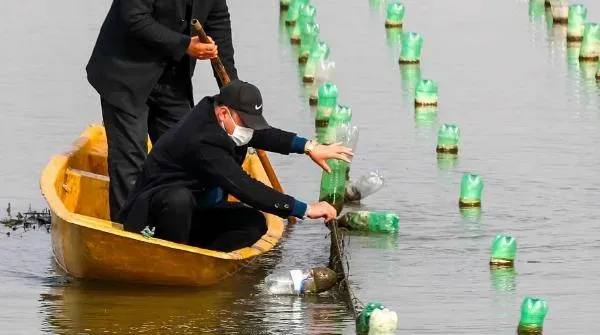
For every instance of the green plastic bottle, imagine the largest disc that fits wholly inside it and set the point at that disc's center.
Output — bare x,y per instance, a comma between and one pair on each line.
589,44
371,221
306,15
560,11
341,115
471,187
576,25
412,44
319,52
327,101
294,11
333,185
284,4
533,312
394,15
309,36
503,250
365,315
426,93
448,137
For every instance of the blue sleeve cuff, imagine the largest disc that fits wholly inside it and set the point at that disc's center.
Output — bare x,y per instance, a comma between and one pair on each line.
298,145
300,208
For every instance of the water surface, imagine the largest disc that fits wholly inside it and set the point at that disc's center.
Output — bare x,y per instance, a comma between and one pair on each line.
529,122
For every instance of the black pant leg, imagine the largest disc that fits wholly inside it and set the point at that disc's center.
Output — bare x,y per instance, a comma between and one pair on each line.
171,212
126,133
168,104
227,227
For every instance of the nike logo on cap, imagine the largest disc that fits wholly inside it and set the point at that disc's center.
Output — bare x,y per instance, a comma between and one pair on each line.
257,107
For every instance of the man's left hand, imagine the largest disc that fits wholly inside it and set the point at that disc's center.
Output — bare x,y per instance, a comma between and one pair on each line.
321,153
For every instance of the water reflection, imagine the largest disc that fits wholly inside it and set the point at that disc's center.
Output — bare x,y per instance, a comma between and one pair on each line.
536,10
394,38
425,117
503,279
446,161
240,303
471,215
411,74
375,241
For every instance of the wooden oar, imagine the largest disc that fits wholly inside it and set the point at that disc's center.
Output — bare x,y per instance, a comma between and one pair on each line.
224,78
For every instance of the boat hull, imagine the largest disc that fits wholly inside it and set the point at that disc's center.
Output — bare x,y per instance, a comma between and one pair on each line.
86,245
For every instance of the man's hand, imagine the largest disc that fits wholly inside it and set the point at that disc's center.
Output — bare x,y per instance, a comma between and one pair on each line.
321,210
321,153
199,50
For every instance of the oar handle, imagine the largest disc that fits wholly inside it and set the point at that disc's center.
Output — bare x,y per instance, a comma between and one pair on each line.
216,62
224,77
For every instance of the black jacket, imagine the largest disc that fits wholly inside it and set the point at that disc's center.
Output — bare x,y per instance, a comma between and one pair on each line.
198,154
139,38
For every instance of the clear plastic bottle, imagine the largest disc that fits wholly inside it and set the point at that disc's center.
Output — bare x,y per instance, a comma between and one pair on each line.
365,186
296,282
289,282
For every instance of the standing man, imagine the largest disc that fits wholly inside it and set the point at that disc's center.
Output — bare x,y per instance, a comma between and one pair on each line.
141,66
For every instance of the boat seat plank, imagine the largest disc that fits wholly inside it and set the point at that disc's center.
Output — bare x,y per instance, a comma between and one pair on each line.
86,193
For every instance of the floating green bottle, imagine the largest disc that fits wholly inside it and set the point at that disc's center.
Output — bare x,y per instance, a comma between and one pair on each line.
394,15
560,11
284,4
341,115
448,137
365,315
306,15
376,221
503,251
319,52
294,11
471,187
310,35
323,75
576,24
412,44
333,185
590,42
327,101
533,312
426,93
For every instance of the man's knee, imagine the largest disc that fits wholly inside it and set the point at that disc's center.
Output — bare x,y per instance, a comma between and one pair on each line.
177,200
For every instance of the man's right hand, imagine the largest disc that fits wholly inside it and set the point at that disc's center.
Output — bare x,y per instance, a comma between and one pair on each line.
199,50
321,210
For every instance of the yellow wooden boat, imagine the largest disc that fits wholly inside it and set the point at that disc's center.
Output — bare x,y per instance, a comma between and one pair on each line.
86,244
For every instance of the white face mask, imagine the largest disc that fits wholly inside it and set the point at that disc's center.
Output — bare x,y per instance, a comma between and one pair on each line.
241,135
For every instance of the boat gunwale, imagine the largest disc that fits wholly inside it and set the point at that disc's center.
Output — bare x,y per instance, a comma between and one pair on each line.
59,163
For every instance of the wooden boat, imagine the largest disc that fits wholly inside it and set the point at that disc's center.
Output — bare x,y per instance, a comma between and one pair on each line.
86,244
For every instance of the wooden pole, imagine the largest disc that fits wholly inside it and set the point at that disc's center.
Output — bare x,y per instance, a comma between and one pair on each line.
224,77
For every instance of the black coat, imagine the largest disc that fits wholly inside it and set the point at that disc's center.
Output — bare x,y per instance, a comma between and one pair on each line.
198,154
139,38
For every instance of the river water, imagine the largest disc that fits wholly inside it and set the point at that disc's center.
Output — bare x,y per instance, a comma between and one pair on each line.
529,119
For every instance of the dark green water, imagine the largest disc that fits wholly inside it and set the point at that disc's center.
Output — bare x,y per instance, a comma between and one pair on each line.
529,120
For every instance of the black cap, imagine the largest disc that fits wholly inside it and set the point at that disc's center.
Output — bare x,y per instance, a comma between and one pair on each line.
245,99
